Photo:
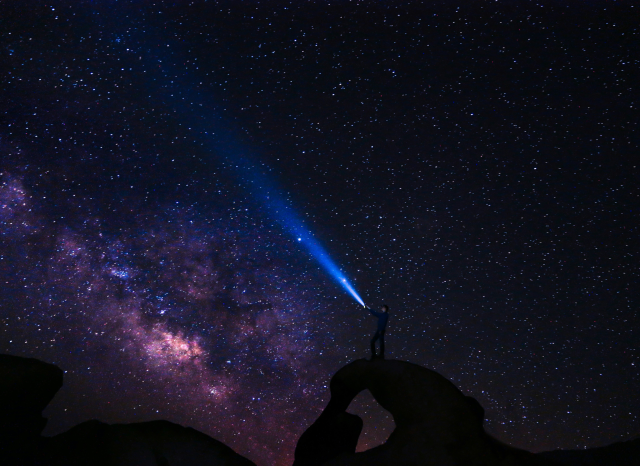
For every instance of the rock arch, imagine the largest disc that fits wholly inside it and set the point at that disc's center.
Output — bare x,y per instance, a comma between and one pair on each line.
436,424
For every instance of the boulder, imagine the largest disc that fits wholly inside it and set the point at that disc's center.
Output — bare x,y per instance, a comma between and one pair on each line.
436,424
26,388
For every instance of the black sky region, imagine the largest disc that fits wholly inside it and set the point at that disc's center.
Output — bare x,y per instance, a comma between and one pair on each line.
472,164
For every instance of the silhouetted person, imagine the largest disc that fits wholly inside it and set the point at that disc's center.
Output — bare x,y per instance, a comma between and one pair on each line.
382,316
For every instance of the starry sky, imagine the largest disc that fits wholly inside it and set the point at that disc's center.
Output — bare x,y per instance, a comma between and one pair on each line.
473,164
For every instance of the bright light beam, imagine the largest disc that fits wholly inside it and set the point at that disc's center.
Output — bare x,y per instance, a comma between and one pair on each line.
178,90
252,177
317,251
285,215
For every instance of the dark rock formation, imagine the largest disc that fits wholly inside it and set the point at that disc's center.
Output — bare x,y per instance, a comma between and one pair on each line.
617,454
333,434
26,388
155,443
435,423
28,385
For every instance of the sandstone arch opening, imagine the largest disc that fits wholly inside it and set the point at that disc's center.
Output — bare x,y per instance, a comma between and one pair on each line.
435,422
378,423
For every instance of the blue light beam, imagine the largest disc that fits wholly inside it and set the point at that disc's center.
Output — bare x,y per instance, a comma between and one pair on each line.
177,89
251,175
286,216
319,253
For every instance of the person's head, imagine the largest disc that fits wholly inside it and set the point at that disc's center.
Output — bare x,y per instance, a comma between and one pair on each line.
384,308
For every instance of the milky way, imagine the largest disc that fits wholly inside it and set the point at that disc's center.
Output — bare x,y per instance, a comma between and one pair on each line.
201,319
473,166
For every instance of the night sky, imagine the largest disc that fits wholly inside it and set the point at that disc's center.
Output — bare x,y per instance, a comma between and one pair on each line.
472,164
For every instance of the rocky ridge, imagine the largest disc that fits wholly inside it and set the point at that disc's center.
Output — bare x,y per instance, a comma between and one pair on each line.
436,425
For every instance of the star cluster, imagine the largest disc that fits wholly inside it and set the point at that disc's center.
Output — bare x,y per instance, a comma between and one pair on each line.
472,165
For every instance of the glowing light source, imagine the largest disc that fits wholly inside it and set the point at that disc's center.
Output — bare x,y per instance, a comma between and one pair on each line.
317,251
285,215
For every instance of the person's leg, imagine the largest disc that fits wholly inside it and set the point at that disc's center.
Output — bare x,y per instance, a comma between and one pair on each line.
382,345
373,344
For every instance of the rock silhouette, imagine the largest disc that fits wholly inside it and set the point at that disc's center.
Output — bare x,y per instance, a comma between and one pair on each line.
155,443
617,454
28,385
436,424
333,434
26,388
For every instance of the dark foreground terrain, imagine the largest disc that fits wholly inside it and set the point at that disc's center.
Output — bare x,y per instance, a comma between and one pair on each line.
436,425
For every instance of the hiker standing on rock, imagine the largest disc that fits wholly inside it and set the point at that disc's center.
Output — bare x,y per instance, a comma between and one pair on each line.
382,316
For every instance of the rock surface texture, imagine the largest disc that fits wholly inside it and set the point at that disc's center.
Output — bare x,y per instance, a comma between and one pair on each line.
28,385
436,424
